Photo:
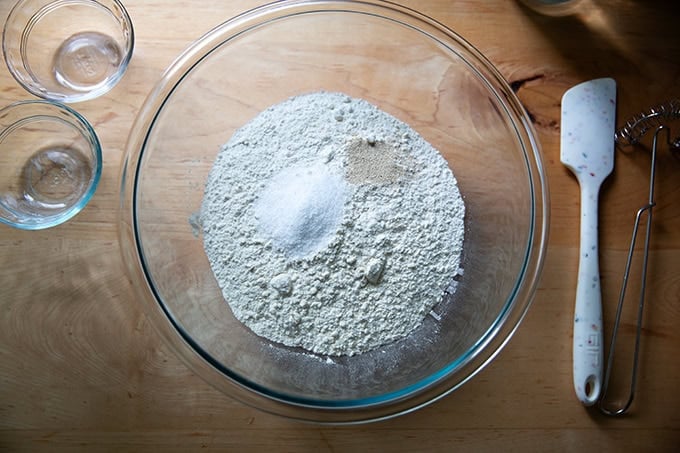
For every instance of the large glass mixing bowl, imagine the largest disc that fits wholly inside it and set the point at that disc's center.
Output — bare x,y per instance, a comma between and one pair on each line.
409,66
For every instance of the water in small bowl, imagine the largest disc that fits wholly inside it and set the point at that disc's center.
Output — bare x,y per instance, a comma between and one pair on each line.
50,162
68,51
87,60
53,179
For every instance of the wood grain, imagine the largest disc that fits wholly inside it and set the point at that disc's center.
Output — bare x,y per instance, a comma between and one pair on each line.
81,368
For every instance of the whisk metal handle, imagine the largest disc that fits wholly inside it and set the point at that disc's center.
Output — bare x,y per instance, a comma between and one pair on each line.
603,405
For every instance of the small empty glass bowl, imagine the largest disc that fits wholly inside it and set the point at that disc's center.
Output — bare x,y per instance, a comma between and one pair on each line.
50,164
68,50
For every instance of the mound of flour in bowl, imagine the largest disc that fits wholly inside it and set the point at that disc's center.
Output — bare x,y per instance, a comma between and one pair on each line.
330,225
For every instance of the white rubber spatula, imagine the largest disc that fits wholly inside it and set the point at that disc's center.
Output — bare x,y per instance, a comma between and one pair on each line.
587,149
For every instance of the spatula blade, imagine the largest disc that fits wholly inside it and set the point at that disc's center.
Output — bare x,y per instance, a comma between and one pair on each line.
588,126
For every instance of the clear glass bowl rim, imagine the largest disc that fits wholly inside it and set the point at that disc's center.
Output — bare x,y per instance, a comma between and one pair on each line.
354,411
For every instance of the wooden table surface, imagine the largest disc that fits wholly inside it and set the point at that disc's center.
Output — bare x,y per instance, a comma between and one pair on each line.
81,368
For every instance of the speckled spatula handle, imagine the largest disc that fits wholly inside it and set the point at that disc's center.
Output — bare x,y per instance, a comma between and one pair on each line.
587,350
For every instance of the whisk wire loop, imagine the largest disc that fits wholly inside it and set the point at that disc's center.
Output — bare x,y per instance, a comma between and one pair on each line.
636,127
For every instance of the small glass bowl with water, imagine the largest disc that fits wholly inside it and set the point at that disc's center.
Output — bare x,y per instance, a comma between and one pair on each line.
68,50
50,164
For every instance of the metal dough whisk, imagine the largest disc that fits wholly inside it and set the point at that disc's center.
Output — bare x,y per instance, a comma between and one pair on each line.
656,119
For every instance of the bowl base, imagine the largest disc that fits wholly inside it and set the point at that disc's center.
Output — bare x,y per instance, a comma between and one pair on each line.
86,60
55,177
52,181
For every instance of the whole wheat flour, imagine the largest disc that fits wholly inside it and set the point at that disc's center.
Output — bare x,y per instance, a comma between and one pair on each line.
330,225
